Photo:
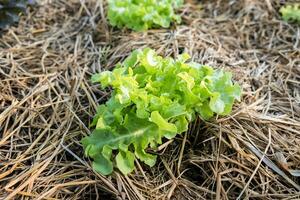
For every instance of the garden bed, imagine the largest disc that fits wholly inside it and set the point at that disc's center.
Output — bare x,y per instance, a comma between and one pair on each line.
47,102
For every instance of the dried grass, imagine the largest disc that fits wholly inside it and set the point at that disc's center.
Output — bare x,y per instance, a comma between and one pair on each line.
47,102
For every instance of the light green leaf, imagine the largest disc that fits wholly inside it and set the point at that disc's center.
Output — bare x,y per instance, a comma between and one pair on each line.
147,158
102,165
173,110
205,111
188,79
132,60
100,123
181,124
162,123
105,78
125,161
183,57
96,78
216,104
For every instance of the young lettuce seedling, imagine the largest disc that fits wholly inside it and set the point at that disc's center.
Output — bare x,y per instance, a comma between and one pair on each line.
141,15
153,98
291,12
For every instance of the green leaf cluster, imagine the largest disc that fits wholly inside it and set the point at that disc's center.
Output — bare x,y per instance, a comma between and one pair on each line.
141,15
153,98
10,11
291,12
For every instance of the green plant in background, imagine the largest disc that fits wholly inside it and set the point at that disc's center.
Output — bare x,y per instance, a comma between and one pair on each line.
153,98
10,11
291,12
141,15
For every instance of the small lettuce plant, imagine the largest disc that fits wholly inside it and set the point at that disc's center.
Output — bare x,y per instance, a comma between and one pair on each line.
140,15
153,98
291,12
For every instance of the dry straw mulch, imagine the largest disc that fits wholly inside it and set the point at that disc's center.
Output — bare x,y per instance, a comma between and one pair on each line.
47,102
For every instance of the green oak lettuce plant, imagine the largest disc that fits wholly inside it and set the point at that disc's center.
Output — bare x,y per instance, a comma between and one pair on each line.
141,15
153,98
291,12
